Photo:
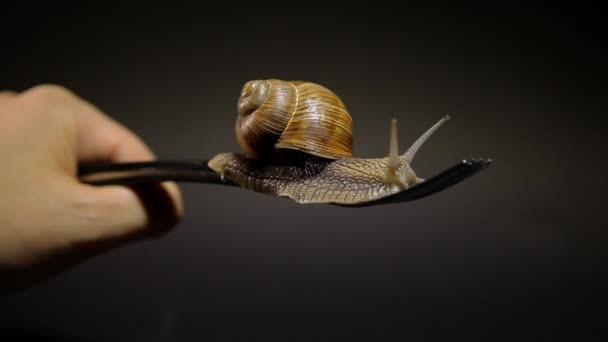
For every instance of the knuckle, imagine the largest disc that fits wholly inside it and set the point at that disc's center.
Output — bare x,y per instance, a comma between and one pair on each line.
47,92
46,99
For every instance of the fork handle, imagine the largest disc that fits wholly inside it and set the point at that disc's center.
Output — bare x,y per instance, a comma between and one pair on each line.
129,173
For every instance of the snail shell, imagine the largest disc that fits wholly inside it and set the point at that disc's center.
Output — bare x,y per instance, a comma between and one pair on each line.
276,115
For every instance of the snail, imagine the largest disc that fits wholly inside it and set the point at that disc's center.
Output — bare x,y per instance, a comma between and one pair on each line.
297,142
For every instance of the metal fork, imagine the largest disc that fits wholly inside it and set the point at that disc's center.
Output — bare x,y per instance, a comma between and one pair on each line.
197,171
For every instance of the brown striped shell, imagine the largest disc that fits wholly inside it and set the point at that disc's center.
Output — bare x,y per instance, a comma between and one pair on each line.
298,115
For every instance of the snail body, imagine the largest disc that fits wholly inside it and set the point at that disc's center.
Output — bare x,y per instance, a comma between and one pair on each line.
297,142
344,181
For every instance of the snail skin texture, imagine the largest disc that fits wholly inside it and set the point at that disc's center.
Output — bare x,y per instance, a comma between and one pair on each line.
297,142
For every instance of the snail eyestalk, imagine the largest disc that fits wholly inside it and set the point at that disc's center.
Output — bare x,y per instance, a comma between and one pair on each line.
394,162
411,152
393,154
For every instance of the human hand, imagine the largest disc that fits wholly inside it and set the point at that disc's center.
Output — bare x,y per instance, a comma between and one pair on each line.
49,221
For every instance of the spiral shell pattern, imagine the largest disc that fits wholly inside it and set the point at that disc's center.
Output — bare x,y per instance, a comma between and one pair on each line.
298,115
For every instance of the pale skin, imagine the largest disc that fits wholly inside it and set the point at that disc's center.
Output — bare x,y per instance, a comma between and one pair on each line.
49,221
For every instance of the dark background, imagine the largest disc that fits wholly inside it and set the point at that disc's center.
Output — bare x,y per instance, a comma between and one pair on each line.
514,253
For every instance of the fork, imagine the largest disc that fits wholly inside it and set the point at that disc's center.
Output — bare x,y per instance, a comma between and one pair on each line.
197,171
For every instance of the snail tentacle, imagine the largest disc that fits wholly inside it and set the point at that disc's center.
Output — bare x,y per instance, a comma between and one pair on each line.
411,152
394,162
393,154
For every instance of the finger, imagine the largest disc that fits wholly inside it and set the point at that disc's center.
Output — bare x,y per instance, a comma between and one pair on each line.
135,211
104,139
116,213
6,96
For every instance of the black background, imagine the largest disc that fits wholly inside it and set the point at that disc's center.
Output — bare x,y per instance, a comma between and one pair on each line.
514,253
